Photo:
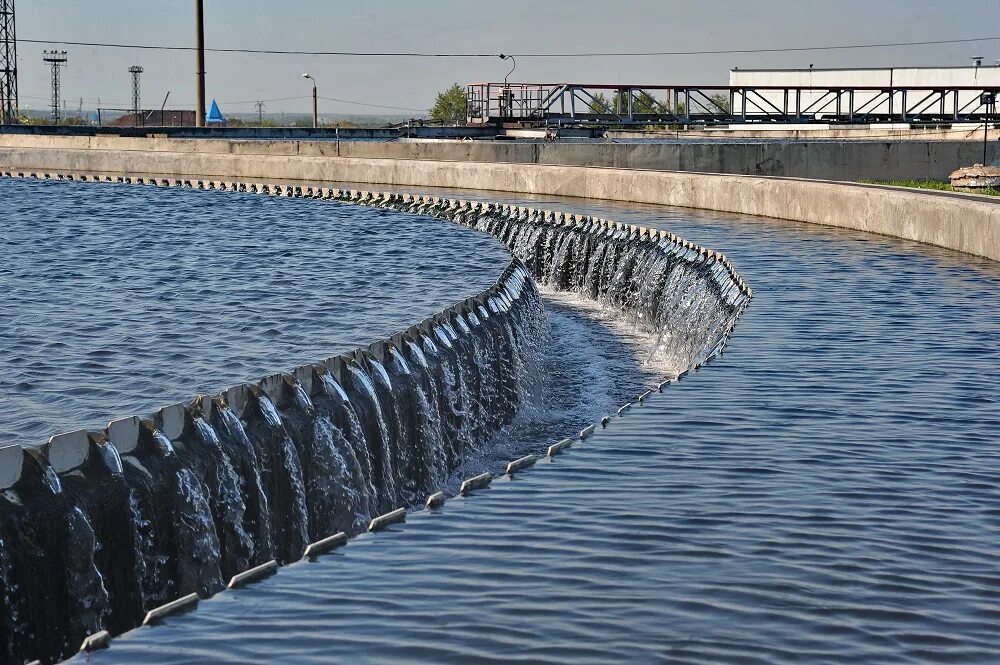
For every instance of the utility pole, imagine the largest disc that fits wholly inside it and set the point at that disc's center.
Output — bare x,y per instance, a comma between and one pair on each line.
199,65
260,114
56,59
136,70
8,64
315,104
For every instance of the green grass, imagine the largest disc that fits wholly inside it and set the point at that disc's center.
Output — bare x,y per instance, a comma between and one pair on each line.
929,184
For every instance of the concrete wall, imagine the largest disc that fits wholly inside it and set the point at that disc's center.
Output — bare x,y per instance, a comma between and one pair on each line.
963,222
824,160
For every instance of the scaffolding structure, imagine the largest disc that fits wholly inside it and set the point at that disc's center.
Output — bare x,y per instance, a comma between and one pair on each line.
578,103
8,64
136,72
57,60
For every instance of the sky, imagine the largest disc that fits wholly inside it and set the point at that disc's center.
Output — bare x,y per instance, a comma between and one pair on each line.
513,26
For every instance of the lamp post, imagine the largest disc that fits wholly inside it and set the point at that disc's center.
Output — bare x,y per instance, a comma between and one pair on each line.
507,97
512,59
315,107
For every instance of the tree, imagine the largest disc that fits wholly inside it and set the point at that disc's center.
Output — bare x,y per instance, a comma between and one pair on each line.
601,104
450,106
642,103
721,102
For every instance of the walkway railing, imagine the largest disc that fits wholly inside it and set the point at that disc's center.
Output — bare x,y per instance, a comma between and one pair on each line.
558,103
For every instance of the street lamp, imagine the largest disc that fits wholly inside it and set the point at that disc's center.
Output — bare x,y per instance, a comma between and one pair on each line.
504,57
507,95
315,112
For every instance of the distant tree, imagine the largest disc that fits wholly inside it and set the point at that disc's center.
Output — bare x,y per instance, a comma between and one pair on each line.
618,104
450,106
721,102
601,104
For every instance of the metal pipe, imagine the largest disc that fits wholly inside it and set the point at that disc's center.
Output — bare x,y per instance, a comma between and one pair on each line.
199,63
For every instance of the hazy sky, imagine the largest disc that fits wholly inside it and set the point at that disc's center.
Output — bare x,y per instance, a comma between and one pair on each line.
513,26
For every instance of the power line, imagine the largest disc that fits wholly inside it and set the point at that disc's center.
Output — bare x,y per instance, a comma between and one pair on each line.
585,54
377,106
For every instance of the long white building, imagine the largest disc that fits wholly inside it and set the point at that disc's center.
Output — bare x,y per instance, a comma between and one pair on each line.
898,92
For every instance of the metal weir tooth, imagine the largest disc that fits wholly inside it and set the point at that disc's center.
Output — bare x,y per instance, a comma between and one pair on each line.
586,431
522,463
383,521
622,409
475,483
325,545
254,574
98,640
644,396
183,604
557,448
435,500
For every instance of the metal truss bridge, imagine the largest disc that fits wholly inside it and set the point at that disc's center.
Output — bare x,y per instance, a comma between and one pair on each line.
578,103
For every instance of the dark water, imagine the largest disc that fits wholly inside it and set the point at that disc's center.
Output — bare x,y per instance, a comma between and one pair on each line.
825,492
204,490
118,299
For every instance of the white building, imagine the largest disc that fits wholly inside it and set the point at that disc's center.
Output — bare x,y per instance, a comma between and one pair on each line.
901,93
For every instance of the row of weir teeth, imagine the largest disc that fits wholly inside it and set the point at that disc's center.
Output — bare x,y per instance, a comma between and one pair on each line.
374,198
63,453
67,451
102,639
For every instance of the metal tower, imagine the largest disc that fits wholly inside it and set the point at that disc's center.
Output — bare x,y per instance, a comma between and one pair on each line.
57,59
136,70
8,64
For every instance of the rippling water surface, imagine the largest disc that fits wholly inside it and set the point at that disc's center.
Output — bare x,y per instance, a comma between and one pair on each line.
825,492
118,299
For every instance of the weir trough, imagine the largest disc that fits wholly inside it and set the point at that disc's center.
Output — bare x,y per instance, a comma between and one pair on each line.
254,574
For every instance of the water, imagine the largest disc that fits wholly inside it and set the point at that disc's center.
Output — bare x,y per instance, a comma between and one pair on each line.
293,458
120,299
824,492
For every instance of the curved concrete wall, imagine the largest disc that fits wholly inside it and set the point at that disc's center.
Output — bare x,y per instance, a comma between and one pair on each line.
966,223
850,161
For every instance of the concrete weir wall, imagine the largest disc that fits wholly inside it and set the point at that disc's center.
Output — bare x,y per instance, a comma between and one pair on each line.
850,160
965,223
